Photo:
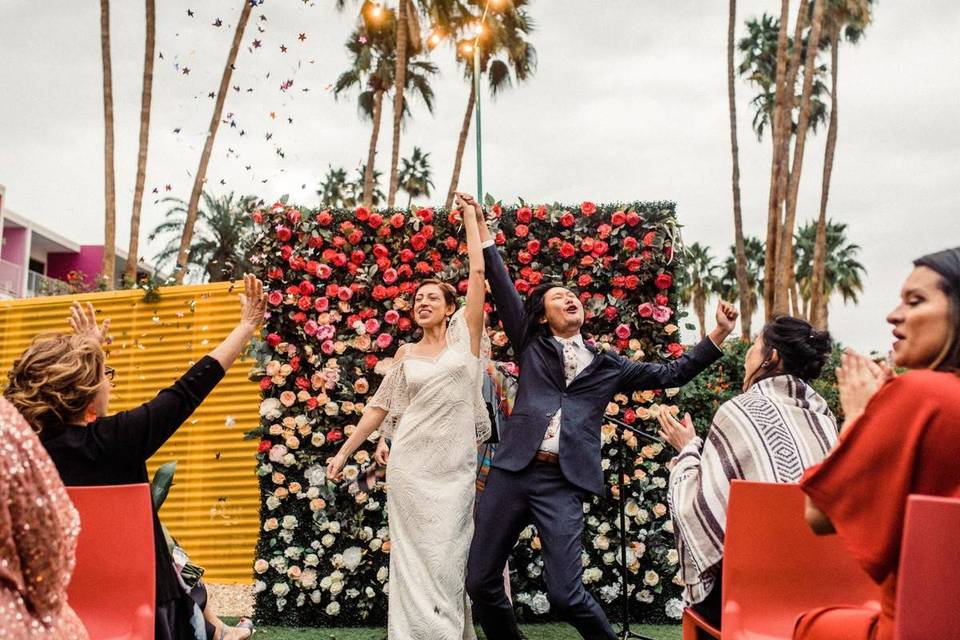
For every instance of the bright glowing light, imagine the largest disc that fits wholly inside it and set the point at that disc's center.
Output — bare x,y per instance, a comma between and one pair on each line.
434,39
466,47
478,29
376,12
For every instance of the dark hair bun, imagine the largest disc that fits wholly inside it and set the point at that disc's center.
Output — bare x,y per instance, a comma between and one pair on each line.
803,350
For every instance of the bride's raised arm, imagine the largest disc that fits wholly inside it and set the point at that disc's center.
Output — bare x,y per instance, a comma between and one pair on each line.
476,285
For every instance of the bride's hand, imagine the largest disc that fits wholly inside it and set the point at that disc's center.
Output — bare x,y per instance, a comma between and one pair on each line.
382,454
335,467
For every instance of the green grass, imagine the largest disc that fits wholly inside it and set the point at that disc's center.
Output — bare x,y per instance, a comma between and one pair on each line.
533,631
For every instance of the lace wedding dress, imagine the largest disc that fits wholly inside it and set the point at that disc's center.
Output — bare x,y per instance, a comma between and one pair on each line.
435,418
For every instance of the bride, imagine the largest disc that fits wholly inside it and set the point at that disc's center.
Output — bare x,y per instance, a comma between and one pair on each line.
430,404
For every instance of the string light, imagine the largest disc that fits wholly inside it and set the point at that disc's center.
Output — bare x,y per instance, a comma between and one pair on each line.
466,48
376,11
434,39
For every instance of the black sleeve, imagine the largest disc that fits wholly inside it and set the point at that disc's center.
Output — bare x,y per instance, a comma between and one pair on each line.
636,376
505,297
136,434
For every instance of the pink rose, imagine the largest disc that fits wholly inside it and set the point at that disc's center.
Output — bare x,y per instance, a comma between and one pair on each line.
311,327
275,298
327,347
645,310
622,331
325,332
384,340
661,313
391,317
371,326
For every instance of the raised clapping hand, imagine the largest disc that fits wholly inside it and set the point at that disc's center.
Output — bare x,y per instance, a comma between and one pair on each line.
677,434
858,378
253,302
83,320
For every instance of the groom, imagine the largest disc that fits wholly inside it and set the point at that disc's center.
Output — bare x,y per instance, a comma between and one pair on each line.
548,459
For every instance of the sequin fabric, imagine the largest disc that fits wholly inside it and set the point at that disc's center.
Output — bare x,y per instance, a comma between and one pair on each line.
38,537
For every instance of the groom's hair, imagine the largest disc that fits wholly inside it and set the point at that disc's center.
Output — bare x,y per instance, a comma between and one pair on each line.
534,309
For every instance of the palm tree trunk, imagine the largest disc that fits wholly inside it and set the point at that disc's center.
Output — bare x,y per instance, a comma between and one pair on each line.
700,308
743,282
780,132
818,304
461,145
785,266
401,81
200,176
109,190
130,273
372,151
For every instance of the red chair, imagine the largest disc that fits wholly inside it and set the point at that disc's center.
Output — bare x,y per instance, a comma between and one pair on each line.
113,586
775,568
694,627
927,590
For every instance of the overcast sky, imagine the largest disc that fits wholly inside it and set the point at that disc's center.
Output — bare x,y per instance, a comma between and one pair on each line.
628,103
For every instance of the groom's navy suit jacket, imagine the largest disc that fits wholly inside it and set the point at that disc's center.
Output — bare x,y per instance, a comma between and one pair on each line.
542,388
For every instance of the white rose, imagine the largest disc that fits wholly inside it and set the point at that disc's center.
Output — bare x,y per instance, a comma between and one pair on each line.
334,527
673,608
270,408
311,560
609,557
280,589
651,578
375,544
336,587
273,502
318,439
288,460
261,565
289,522
333,609
325,583
352,558
315,596
369,592
539,604
601,542
382,574
259,586
672,556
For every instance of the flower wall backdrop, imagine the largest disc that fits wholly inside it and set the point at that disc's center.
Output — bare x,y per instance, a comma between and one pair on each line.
340,288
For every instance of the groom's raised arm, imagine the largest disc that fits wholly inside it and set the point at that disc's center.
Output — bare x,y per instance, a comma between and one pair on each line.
638,376
505,296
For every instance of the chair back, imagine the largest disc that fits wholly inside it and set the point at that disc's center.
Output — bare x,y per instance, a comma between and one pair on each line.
928,594
114,584
775,568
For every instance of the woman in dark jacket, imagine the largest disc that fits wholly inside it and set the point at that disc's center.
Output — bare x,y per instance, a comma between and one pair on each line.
61,381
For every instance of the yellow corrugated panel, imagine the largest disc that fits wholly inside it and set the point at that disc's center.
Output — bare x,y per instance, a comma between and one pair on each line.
212,509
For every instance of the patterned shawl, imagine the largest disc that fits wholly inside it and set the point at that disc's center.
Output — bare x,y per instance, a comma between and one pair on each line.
770,433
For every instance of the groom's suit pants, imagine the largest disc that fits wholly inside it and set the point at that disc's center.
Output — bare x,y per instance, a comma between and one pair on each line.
511,500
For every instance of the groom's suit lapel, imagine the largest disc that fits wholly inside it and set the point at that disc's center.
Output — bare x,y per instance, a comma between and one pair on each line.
553,360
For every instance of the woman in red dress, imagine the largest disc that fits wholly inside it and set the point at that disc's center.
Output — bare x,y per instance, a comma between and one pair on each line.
901,437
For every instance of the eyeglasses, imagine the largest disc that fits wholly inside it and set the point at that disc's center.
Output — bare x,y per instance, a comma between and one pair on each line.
109,373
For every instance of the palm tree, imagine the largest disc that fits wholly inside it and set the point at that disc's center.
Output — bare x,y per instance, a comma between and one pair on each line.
373,52
785,265
335,188
843,273
503,48
701,280
741,260
852,18
415,175
408,45
221,247
198,179
728,286
109,191
130,274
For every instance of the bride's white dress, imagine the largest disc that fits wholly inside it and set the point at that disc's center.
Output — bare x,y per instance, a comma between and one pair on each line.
435,418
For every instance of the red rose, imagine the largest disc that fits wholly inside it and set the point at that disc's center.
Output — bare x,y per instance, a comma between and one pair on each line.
622,331
521,231
567,250
522,286
302,383
633,218
451,243
630,243
324,218
603,231
347,227
661,299
275,273
283,233
406,255
273,339
600,247
535,278
496,210
299,317
339,241
344,294
257,216
397,220
648,238
265,383
588,208
264,446
540,213
524,214
633,264
380,251
610,313
332,289
404,324
362,214
675,349
618,294
286,251
587,245
629,416
418,242
357,256
306,288
423,268
663,281
524,257
462,286
305,303
425,214
631,282
321,304
334,435
619,218
645,310
312,403
567,219
375,220
371,361
355,237
500,238
584,280
293,216
314,242
533,246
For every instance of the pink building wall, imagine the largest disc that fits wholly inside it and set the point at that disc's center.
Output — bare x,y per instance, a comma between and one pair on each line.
89,261
14,245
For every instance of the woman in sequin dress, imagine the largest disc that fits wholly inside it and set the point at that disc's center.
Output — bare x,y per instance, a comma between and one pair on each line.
38,537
